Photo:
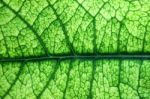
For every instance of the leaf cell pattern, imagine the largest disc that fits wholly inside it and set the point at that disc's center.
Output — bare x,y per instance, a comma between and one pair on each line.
74,49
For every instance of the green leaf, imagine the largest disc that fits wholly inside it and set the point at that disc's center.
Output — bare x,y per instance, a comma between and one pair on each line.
74,49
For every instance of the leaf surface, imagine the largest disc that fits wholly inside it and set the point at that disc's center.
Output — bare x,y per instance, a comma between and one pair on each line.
74,49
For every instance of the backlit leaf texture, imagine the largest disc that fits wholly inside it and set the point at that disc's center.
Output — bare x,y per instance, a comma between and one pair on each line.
74,49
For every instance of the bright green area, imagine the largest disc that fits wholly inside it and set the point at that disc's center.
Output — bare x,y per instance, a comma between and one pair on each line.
112,79
35,28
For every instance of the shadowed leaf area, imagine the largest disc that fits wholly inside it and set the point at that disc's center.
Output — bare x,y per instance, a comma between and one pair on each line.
74,49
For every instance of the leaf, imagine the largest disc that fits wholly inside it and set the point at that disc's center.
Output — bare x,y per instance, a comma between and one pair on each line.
74,49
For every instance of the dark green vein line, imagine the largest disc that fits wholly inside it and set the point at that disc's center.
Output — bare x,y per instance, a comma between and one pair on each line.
80,4
63,29
119,79
139,77
118,40
51,77
28,25
31,79
94,35
82,56
90,96
14,82
98,12
68,75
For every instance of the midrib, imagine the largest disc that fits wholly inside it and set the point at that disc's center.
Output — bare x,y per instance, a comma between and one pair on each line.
118,56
